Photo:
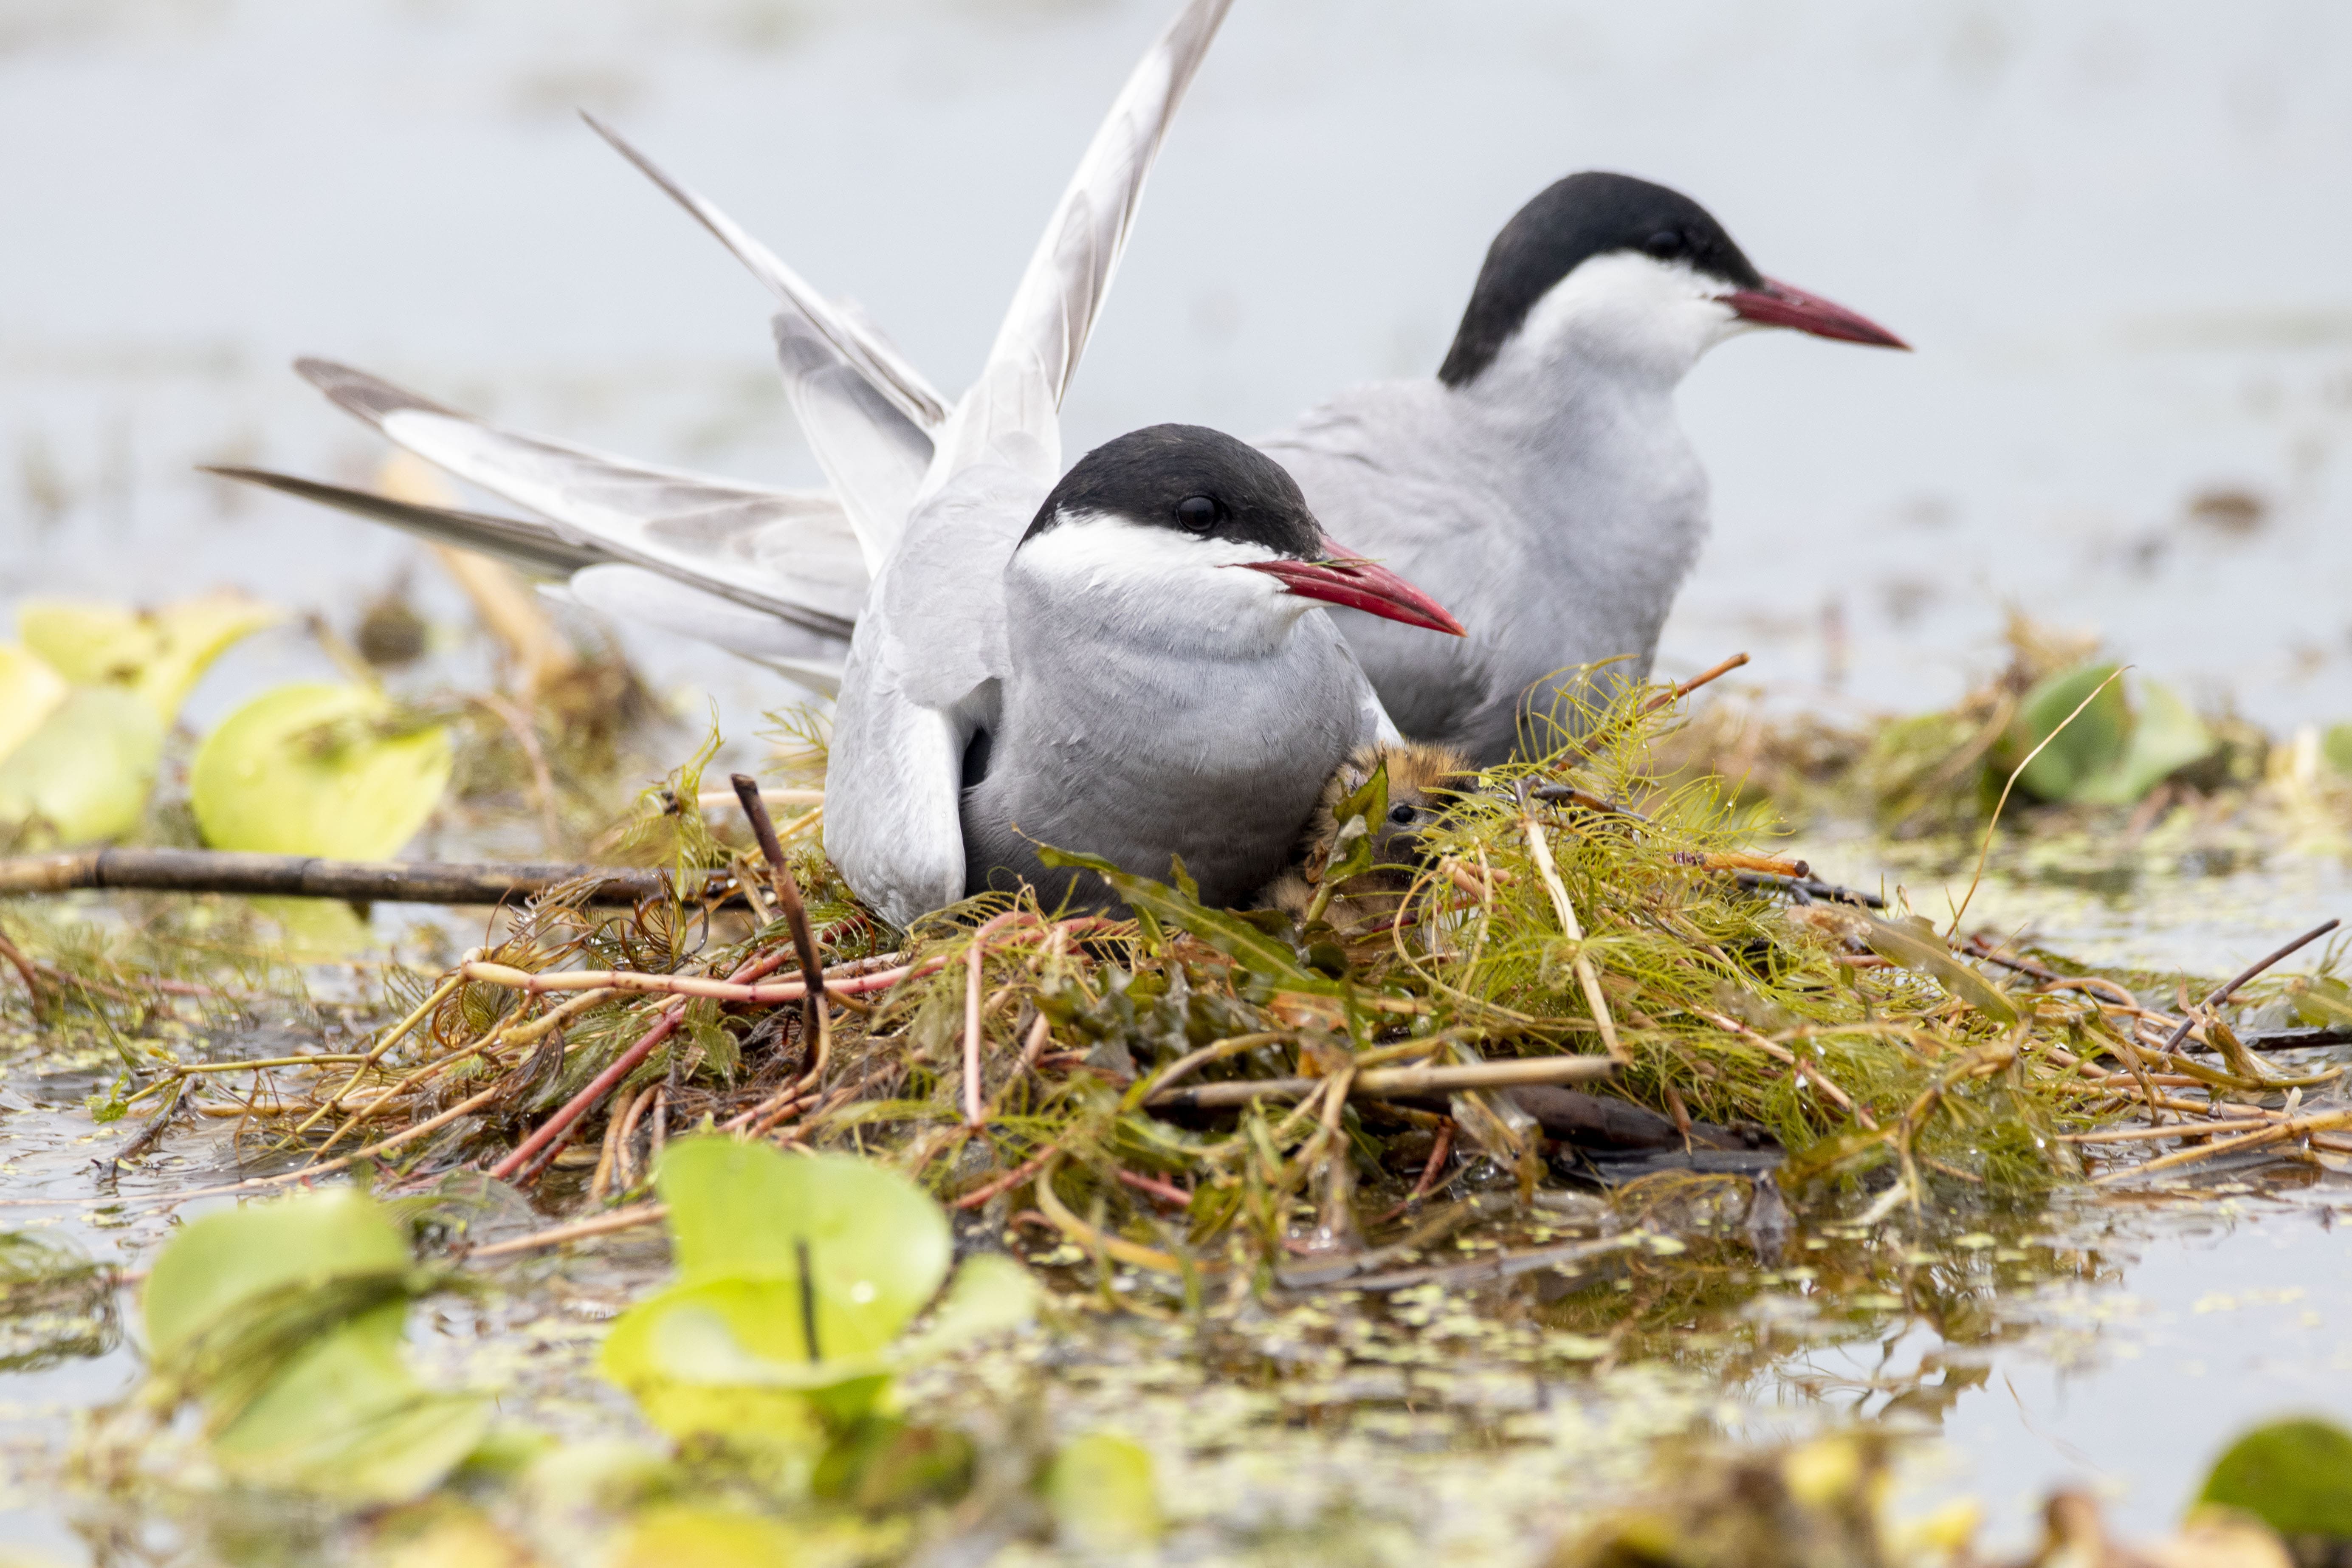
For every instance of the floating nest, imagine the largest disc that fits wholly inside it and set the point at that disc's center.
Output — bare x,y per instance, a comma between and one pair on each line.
1590,975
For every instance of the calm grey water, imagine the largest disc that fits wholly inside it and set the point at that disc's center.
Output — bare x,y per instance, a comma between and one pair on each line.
2115,233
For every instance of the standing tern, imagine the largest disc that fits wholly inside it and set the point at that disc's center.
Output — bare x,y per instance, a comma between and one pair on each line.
1540,482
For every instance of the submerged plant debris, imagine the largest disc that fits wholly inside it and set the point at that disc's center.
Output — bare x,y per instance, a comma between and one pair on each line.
1526,1165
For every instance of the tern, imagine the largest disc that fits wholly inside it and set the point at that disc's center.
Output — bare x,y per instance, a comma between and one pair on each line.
1128,659
1539,483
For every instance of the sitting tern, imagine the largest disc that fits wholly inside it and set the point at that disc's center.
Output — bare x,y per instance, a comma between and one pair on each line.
1126,660
1539,483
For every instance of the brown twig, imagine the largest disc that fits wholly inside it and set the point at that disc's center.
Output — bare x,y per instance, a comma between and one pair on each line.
1676,693
788,894
1391,1082
578,1230
311,877
2255,968
24,968
1007,1182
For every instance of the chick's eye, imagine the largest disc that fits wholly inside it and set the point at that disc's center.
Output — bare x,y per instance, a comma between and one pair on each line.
1664,244
1198,514
1403,815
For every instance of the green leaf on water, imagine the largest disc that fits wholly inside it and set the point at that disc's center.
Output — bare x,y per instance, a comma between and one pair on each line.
29,692
2294,1476
2090,745
2166,736
675,1534
2112,754
85,770
158,655
728,1350
1101,1491
285,1319
317,769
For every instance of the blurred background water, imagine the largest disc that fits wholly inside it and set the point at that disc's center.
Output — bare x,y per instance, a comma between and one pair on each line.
2115,232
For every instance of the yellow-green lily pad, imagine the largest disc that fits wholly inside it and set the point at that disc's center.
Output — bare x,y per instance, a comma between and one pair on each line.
318,769
29,692
158,654
83,774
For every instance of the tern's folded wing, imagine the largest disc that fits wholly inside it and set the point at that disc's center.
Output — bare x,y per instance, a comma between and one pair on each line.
789,554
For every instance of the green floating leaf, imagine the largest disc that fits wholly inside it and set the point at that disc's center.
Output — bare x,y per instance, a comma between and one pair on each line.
1101,1491
86,770
159,655
315,769
2090,745
275,1315
2166,736
730,1349
2294,1476
29,692
2335,745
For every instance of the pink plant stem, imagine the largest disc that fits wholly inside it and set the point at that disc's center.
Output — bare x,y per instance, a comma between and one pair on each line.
622,1065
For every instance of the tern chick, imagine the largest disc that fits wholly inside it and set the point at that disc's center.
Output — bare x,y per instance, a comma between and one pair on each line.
1423,782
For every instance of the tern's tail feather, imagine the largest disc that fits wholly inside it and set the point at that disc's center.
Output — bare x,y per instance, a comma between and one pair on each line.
790,553
534,547
1012,413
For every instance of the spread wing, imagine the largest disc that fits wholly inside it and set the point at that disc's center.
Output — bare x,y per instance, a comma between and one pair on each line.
785,553
1012,413
927,662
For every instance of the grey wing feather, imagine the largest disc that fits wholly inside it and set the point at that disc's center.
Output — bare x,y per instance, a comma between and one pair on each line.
872,454
534,547
790,553
1011,412
632,595
873,355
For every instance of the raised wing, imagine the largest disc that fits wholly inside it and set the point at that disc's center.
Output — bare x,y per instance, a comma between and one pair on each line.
872,355
789,554
537,548
1012,413
872,454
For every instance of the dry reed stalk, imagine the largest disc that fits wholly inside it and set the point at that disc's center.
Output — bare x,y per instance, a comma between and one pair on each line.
1540,848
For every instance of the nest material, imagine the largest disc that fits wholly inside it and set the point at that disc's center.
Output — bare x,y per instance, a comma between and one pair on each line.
1000,1052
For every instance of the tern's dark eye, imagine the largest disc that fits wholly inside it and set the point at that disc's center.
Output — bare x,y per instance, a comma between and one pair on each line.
1198,514
1403,815
1665,245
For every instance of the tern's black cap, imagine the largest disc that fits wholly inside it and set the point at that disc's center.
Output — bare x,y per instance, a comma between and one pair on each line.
1193,479
1582,216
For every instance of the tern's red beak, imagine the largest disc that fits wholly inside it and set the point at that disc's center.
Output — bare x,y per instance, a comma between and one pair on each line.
1359,585
1780,304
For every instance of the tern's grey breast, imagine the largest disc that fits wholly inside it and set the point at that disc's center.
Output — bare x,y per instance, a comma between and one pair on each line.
1141,754
1557,536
